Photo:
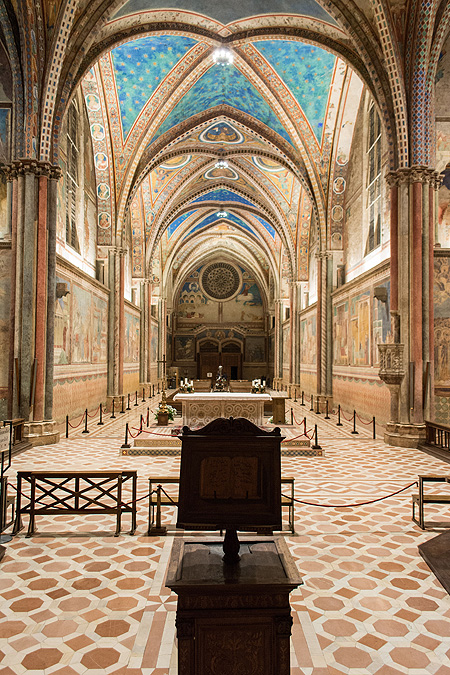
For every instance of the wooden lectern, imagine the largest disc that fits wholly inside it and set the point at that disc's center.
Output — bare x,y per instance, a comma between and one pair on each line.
233,613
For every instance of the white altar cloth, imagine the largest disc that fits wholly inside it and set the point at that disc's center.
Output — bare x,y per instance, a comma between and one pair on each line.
201,408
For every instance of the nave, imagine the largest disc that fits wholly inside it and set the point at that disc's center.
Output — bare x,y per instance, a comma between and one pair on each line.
75,599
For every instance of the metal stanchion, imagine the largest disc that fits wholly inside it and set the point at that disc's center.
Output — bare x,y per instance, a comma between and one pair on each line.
123,403
85,430
354,423
317,406
101,422
143,394
339,423
327,417
113,417
136,402
303,398
316,445
148,416
292,416
128,405
374,431
312,402
126,444
67,426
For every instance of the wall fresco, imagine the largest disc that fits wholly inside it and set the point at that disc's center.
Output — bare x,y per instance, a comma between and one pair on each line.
308,344
381,321
442,321
340,334
100,330
184,348
360,329
254,349
81,325
5,291
132,339
62,322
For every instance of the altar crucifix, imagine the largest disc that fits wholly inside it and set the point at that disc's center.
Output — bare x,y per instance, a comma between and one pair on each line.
164,362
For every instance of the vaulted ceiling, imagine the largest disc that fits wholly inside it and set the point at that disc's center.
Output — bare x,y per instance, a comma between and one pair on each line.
242,156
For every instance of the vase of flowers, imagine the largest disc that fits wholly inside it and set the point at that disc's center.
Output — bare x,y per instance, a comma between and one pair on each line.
164,412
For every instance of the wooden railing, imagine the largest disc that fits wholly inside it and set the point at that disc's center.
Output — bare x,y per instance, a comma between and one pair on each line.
75,492
438,435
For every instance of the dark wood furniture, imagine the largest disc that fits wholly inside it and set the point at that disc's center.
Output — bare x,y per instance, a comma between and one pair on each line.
233,618
157,499
422,498
230,477
75,492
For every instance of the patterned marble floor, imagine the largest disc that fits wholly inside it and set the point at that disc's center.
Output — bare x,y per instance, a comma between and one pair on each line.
75,599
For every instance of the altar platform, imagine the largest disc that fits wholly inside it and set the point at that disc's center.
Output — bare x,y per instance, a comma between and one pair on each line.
201,408
156,441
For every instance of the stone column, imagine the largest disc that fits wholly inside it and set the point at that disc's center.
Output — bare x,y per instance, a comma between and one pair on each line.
33,224
144,374
116,319
277,357
411,246
322,336
296,292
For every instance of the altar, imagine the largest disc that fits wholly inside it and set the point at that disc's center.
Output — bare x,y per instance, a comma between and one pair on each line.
198,409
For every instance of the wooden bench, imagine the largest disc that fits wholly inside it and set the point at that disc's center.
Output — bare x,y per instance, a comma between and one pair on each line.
75,492
158,500
423,498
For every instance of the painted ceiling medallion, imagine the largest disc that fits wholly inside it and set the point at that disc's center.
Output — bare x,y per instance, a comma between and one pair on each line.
215,173
176,162
222,132
220,281
267,164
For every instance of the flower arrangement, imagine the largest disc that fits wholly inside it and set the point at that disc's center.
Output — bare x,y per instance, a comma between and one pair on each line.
170,410
258,386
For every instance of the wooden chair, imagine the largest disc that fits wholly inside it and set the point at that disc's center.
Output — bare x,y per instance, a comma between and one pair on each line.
423,498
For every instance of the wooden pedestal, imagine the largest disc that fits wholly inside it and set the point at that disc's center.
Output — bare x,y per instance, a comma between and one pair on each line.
278,407
233,619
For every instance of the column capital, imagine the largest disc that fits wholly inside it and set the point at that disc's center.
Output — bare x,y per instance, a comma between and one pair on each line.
408,175
20,167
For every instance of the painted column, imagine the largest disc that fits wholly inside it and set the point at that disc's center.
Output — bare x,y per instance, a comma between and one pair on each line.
54,176
277,340
412,222
319,326
31,341
41,298
116,319
435,184
145,343
121,312
11,177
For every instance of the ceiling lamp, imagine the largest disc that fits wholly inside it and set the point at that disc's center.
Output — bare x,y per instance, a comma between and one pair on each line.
221,164
223,56
222,214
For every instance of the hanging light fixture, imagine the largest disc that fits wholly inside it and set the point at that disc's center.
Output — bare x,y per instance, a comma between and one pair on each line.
221,164
223,56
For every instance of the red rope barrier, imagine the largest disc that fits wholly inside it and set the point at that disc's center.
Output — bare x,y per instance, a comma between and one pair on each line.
345,506
94,414
145,431
75,426
139,431
348,419
362,421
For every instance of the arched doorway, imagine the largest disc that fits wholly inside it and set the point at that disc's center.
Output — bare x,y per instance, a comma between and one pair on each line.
207,359
232,360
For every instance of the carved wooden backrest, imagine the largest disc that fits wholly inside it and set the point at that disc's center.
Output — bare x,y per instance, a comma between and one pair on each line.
230,476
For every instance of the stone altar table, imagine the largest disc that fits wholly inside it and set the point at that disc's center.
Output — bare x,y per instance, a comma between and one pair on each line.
201,408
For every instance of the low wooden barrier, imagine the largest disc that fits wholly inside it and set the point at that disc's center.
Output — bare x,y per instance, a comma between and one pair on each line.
158,498
75,492
423,498
438,435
